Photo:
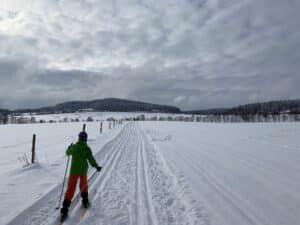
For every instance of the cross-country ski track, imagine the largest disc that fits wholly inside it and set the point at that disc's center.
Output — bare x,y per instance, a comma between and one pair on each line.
135,187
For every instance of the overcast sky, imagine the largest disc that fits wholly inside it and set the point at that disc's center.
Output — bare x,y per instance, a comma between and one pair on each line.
194,54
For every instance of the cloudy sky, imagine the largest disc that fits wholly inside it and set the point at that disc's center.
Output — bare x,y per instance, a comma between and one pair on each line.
194,54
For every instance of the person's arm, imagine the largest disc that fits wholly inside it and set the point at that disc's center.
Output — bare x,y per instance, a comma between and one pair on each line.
91,158
70,150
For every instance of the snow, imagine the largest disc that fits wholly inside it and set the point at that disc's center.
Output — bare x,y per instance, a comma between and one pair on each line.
139,188
21,184
241,173
158,173
83,116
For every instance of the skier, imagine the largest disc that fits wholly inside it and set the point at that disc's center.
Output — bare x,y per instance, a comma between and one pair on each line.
81,155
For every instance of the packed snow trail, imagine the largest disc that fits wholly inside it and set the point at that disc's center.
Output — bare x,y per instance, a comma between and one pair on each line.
139,189
243,173
135,187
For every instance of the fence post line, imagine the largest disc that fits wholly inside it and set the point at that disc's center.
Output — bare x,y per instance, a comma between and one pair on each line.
33,148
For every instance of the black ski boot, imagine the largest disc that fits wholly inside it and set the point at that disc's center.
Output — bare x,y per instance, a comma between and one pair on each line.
64,210
85,200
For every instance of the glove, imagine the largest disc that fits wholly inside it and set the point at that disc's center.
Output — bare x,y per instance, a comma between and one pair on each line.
99,168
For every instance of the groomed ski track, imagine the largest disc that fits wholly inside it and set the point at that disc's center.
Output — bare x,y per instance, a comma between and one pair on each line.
135,187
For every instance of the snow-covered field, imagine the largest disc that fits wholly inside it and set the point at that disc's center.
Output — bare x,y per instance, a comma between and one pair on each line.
158,173
240,173
22,185
97,116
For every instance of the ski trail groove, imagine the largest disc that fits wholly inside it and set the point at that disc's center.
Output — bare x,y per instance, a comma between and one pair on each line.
147,187
112,161
144,207
115,193
141,190
42,212
173,205
138,194
135,187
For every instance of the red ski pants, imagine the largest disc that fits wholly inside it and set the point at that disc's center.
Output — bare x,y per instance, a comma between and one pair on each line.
72,185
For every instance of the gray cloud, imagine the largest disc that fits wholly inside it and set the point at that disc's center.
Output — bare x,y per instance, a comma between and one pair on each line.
194,54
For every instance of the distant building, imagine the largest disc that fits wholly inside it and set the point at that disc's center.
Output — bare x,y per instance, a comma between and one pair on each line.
154,118
86,110
11,119
22,120
141,117
90,119
2,119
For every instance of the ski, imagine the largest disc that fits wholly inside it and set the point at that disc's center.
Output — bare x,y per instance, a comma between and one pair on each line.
76,202
82,213
63,218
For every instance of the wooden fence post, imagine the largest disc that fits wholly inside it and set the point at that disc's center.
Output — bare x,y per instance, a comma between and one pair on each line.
33,149
84,126
101,125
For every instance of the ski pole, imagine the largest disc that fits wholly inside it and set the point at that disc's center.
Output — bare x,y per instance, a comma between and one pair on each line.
62,189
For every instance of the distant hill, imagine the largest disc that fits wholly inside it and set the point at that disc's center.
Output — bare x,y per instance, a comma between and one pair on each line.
207,111
272,107
122,105
108,104
4,111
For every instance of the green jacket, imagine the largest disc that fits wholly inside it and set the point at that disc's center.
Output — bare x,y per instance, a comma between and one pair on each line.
81,155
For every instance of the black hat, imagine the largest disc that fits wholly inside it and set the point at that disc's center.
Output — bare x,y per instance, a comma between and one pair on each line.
83,136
